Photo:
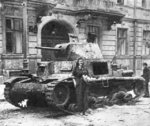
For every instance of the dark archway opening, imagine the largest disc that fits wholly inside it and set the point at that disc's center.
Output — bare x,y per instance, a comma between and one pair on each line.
54,32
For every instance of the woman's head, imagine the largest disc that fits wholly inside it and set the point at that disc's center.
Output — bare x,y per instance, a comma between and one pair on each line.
80,61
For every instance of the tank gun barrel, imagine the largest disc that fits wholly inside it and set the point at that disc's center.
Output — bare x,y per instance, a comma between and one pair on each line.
49,48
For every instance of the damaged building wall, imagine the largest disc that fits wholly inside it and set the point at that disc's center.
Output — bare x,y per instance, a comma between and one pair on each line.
12,42
83,22
110,38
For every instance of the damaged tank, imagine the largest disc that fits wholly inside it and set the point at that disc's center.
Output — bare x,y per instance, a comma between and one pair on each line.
53,85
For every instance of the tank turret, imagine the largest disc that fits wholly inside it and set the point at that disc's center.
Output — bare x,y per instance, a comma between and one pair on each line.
72,51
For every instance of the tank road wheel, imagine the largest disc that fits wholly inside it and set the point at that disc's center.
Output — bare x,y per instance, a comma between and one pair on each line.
139,88
61,95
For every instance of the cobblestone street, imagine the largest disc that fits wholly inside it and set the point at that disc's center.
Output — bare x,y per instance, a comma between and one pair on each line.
125,115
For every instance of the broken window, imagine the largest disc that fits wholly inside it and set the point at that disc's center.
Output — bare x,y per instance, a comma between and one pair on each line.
93,32
13,35
146,43
121,41
100,68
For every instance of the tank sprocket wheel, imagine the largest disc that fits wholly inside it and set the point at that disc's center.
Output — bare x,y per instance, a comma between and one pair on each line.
57,94
61,95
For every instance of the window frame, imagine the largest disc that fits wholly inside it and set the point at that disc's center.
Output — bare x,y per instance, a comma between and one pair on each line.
144,4
144,43
92,27
120,2
125,39
14,32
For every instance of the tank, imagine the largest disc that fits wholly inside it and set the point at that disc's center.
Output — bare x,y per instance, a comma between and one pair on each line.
53,85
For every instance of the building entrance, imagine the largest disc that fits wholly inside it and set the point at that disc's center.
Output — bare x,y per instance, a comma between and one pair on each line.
54,32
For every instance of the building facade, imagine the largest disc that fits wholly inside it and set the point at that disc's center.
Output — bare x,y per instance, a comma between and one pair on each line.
120,27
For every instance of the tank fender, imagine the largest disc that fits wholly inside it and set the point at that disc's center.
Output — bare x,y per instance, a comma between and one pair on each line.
14,80
65,79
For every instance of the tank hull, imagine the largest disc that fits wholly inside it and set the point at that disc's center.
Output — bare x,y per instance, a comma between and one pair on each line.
62,93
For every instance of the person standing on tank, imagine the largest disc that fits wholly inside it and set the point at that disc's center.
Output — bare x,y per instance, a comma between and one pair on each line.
81,87
146,74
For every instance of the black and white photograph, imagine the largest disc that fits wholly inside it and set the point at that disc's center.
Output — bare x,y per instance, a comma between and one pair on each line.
74,62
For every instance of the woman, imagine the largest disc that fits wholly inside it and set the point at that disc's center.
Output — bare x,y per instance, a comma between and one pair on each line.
81,87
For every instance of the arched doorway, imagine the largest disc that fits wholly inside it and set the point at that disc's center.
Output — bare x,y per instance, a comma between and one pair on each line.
54,32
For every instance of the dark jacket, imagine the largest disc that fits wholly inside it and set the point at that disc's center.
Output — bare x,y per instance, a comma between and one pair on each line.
146,73
79,72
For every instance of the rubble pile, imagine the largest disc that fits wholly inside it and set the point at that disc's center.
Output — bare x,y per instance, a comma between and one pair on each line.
119,98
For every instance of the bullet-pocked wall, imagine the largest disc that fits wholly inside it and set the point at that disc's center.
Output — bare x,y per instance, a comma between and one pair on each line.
41,32
128,42
12,39
30,17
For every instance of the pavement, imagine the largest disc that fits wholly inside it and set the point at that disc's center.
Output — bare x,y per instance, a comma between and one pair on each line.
125,115
2,92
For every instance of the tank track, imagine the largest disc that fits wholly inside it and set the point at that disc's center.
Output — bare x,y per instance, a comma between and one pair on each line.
49,94
49,99
10,98
7,95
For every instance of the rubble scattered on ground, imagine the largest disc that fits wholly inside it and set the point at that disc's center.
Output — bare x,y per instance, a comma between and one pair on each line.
119,98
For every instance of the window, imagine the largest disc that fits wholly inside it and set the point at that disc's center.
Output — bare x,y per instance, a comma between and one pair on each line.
121,2
122,41
144,3
77,2
13,35
146,43
93,33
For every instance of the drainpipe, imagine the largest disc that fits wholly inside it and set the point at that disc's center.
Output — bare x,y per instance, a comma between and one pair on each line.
134,41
